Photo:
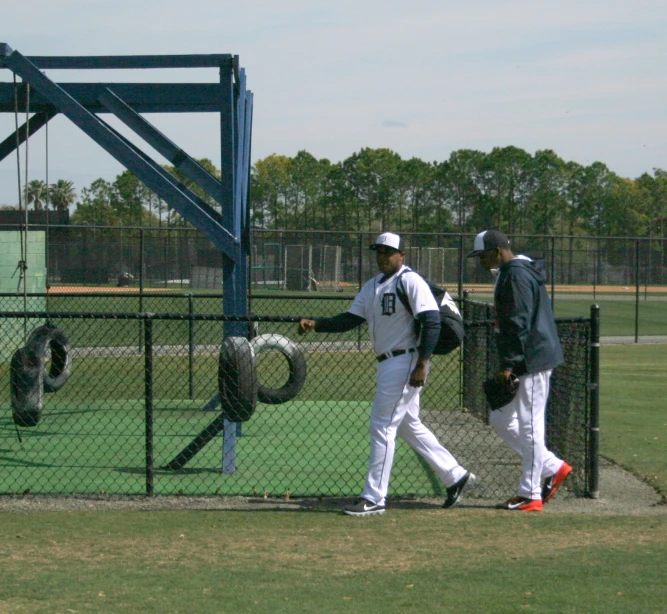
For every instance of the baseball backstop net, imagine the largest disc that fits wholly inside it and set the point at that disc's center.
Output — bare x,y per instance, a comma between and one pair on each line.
127,402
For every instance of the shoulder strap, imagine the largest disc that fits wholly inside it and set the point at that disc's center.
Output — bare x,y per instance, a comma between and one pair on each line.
400,291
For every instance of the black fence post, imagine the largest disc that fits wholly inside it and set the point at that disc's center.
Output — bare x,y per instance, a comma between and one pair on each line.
637,251
148,400
594,399
361,281
142,261
141,282
465,312
596,263
191,346
461,265
553,271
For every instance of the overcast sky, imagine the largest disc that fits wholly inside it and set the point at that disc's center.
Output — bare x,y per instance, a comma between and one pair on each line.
586,78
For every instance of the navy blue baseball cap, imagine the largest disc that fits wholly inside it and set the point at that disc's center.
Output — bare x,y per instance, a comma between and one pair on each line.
489,239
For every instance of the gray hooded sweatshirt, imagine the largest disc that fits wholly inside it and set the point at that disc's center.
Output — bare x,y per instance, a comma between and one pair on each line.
527,340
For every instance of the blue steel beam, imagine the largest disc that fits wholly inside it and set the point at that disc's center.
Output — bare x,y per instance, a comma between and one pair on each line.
244,178
181,160
167,176
234,296
122,152
221,60
240,158
246,161
36,122
142,97
218,60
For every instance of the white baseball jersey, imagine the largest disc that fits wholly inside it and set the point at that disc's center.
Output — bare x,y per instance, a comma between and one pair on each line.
391,325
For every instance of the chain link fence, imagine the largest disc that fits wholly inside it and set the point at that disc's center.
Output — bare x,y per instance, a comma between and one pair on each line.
626,276
571,414
129,402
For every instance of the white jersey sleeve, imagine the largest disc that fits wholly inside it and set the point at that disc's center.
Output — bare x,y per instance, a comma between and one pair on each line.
363,300
419,294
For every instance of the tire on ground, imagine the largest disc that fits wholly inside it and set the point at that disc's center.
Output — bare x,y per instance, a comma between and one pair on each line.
26,383
50,336
297,368
237,379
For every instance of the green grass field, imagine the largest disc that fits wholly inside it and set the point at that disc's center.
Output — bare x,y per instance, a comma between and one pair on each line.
633,418
409,560
618,313
415,558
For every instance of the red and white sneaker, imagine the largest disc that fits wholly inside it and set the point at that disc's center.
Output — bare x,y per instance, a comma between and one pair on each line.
521,504
552,483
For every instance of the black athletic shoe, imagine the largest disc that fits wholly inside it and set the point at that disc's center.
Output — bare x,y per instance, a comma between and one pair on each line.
362,507
455,493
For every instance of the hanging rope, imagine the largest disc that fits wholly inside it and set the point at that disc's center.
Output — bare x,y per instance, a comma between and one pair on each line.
48,202
22,266
24,237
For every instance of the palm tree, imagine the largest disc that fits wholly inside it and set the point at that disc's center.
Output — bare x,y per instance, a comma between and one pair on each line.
62,194
36,193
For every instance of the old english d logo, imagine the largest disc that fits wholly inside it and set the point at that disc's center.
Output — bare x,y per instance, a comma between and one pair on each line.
388,304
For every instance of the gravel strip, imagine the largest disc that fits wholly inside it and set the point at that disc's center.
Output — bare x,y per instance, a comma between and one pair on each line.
621,493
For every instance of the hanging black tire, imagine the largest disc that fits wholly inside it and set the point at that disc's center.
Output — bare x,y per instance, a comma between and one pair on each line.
237,379
26,383
50,336
297,368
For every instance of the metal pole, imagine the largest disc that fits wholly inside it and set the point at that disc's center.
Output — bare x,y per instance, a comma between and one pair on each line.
148,400
166,257
191,346
361,282
596,258
461,267
462,362
636,290
594,399
553,271
141,281
142,264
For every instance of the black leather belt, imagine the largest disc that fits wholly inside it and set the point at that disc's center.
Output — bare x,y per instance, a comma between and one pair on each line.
393,353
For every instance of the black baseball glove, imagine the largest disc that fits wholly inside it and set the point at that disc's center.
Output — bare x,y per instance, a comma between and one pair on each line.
500,394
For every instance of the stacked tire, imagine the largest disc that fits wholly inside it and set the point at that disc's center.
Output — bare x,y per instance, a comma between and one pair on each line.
238,383
29,378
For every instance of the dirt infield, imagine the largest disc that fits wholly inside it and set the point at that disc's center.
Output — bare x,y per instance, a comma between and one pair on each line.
107,289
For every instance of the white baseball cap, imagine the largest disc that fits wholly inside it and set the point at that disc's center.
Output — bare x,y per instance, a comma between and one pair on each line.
388,239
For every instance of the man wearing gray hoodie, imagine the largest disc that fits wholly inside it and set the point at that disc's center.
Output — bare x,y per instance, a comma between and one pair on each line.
529,349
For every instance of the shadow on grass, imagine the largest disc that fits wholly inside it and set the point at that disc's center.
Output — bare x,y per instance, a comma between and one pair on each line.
163,471
8,461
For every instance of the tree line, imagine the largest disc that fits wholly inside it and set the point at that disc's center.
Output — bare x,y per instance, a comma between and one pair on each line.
507,189
376,189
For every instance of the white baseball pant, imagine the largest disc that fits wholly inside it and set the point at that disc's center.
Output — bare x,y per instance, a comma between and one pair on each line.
521,426
395,412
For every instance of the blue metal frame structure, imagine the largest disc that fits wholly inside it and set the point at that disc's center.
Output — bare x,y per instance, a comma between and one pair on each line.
82,103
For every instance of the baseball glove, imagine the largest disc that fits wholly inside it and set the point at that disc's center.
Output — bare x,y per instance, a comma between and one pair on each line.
500,394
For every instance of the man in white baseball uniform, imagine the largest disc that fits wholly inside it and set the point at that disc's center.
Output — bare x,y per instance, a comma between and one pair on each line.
402,368
528,348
